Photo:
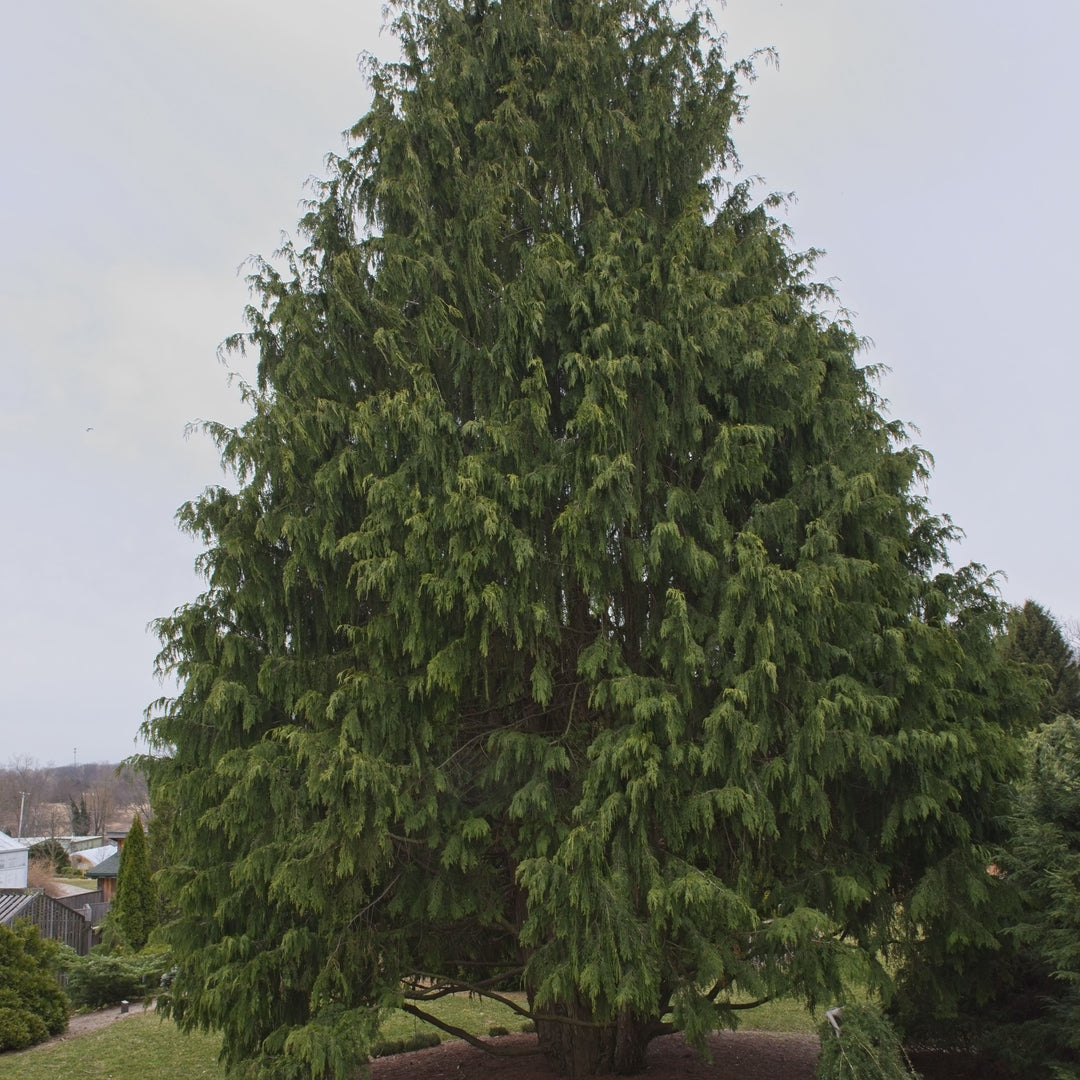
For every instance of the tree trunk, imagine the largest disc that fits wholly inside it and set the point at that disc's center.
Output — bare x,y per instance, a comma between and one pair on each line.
631,1041
578,1047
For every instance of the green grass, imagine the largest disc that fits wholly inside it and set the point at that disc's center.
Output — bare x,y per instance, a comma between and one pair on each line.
80,882
472,1014
139,1046
144,1045
784,1015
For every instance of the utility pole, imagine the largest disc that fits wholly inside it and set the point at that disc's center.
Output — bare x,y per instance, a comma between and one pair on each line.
22,803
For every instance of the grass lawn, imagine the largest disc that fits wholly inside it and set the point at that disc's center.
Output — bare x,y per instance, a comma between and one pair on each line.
139,1046
144,1045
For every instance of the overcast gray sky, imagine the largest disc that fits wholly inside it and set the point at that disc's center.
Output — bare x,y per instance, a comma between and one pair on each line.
149,148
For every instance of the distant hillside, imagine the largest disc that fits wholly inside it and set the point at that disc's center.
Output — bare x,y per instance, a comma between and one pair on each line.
57,800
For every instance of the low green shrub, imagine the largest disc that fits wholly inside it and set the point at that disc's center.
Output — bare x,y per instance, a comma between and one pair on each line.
106,978
422,1040
20,1029
497,1031
388,1047
32,1005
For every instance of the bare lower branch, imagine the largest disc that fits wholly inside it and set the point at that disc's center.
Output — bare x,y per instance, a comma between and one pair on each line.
479,988
472,1040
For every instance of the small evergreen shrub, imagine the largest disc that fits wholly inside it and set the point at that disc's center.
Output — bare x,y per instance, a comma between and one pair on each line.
421,1040
135,908
497,1030
105,978
32,1005
388,1047
529,1028
867,1048
19,1029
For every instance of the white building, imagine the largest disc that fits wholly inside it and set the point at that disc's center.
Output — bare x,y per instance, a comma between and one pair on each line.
91,857
14,859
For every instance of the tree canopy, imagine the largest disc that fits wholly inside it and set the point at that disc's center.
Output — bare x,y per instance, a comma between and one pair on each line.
1035,637
576,620
1046,864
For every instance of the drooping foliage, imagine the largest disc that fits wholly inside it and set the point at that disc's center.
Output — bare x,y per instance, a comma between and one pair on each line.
1019,1002
1030,1016
1015,996
1046,863
135,908
574,620
861,1045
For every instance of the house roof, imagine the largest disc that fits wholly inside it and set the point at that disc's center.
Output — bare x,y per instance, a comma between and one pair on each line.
68,843
8,844
12,903
95,856
109,868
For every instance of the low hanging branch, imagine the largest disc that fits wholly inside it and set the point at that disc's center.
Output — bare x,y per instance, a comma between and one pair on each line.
472,1040
480,989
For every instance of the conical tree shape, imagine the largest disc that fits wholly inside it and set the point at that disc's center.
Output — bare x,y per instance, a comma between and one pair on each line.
1035,637
135,906
573,621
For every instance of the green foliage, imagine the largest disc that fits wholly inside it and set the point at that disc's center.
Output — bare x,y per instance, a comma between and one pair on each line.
102,978
1017,998
1035,637
867,1048
140,1046
144,1046
53,854
387,1048
1045,864
135,908
575,607
80,818
32,1005
422,1040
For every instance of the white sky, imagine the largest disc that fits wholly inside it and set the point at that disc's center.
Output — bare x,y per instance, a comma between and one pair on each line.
150,147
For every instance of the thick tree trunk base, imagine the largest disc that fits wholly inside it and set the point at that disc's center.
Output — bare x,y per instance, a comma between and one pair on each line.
578,1048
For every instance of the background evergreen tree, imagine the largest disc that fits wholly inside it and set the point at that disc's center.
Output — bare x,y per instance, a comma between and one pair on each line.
1035,637
575,617
1022,999
135,907
1045,861
80,818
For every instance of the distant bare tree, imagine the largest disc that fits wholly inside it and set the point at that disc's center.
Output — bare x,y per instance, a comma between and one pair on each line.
21,785
113,795
1070,629
99,805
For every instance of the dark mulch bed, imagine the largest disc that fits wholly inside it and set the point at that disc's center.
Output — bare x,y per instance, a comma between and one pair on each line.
742,1055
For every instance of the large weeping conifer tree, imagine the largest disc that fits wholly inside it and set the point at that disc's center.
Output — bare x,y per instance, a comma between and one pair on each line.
572,623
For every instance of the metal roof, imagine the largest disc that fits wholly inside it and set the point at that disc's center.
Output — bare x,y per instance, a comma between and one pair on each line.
94,856
12,904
